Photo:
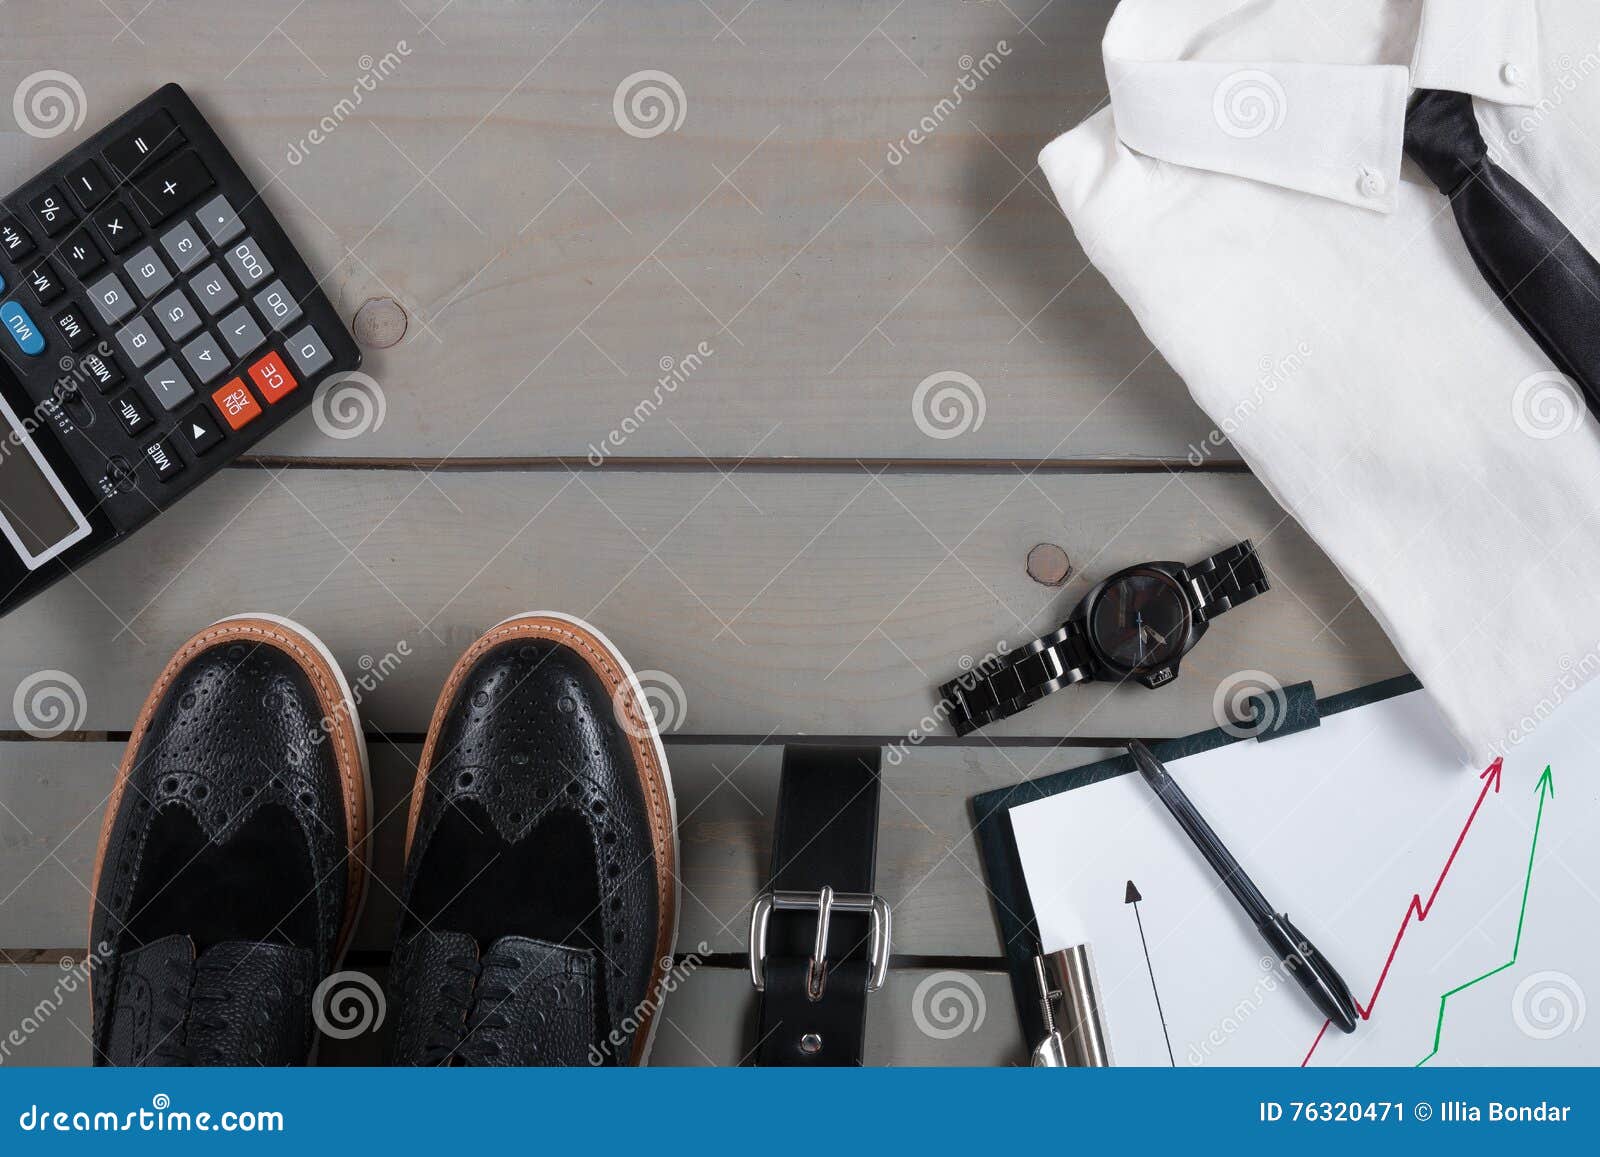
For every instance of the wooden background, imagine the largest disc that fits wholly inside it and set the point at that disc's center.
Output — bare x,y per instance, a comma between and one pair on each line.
781,536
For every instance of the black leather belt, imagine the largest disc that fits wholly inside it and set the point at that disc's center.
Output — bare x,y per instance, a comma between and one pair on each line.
819,935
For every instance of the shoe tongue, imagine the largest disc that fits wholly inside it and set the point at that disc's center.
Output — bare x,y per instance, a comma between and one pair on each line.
521,1001
236,1003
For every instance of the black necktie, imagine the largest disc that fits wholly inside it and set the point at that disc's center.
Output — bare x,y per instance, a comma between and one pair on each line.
1545,277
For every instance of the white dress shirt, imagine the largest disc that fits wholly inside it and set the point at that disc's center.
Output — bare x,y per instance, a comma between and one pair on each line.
1245,192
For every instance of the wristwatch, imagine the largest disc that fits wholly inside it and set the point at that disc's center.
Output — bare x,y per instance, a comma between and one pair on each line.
1137,624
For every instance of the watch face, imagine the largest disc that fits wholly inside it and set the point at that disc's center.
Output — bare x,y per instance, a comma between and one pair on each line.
1140,621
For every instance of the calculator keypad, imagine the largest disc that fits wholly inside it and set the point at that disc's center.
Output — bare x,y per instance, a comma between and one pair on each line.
136,241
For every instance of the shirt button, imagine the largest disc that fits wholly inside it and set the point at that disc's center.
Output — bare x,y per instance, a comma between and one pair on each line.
1372,182
1512,75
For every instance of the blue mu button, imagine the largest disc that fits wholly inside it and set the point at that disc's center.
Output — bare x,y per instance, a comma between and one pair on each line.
22,329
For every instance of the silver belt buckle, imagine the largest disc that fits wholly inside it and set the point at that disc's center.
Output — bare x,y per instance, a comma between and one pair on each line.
824,903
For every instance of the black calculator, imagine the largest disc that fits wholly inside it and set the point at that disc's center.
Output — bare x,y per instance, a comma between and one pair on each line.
156,323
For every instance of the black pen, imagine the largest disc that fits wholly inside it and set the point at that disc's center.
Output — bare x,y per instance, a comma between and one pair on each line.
1308,966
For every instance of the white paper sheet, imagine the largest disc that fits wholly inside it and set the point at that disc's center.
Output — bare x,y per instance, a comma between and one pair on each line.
1356,829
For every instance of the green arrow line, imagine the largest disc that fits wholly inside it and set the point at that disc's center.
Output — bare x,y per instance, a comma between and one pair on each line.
1546,788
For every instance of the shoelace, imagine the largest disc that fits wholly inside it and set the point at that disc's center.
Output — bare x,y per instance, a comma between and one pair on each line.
469,1035
191,999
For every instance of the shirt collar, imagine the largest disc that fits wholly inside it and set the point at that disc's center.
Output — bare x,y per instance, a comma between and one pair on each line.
1332,130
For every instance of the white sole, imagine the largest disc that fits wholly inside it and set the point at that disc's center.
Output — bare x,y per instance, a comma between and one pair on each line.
666,774
361,754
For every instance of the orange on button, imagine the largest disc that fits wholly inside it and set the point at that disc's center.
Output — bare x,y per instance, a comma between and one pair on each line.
272,377
236,404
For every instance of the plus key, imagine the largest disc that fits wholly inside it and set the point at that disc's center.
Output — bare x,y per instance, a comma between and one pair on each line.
172,185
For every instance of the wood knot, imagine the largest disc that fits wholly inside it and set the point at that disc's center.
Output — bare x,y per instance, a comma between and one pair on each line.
379,323
1048,564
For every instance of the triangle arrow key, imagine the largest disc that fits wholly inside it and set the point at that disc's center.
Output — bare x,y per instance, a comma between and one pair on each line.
200,430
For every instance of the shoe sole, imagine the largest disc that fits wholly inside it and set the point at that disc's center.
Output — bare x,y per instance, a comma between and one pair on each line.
571,631
357,809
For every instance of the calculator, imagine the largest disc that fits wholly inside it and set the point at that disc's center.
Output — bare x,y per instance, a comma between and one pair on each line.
156,323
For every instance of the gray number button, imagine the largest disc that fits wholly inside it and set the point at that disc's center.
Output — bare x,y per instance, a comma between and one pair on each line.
111,298
248,264
139,342
241,332
184,246
309,351
147,271
213,290
169,385
176,315
219,220
278,306
205,358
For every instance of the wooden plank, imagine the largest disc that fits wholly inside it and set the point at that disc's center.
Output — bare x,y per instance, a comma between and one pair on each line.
54,795
828,605
920,1017
549,261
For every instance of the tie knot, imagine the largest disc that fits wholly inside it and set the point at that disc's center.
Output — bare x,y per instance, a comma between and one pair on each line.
1443,137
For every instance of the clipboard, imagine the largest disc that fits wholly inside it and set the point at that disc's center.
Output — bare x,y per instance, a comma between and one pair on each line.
1299,711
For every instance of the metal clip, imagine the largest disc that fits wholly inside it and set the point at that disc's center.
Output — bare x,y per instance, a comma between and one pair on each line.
1070,1002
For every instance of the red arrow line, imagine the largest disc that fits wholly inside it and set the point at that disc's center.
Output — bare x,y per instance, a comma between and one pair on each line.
1491,781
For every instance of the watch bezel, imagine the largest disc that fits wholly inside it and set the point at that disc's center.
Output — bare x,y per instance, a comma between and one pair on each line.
1151,674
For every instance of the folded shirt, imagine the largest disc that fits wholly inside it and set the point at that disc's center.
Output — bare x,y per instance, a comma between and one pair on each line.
1245,193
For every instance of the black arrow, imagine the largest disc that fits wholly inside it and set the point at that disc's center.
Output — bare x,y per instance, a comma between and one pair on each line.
1132,896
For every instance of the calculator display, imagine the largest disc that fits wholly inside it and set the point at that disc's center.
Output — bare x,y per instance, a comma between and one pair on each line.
37,516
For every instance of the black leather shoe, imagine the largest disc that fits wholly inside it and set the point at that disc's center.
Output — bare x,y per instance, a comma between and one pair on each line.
230,869
540,901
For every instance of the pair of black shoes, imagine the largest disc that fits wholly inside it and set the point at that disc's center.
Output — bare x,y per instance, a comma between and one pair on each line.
539,905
